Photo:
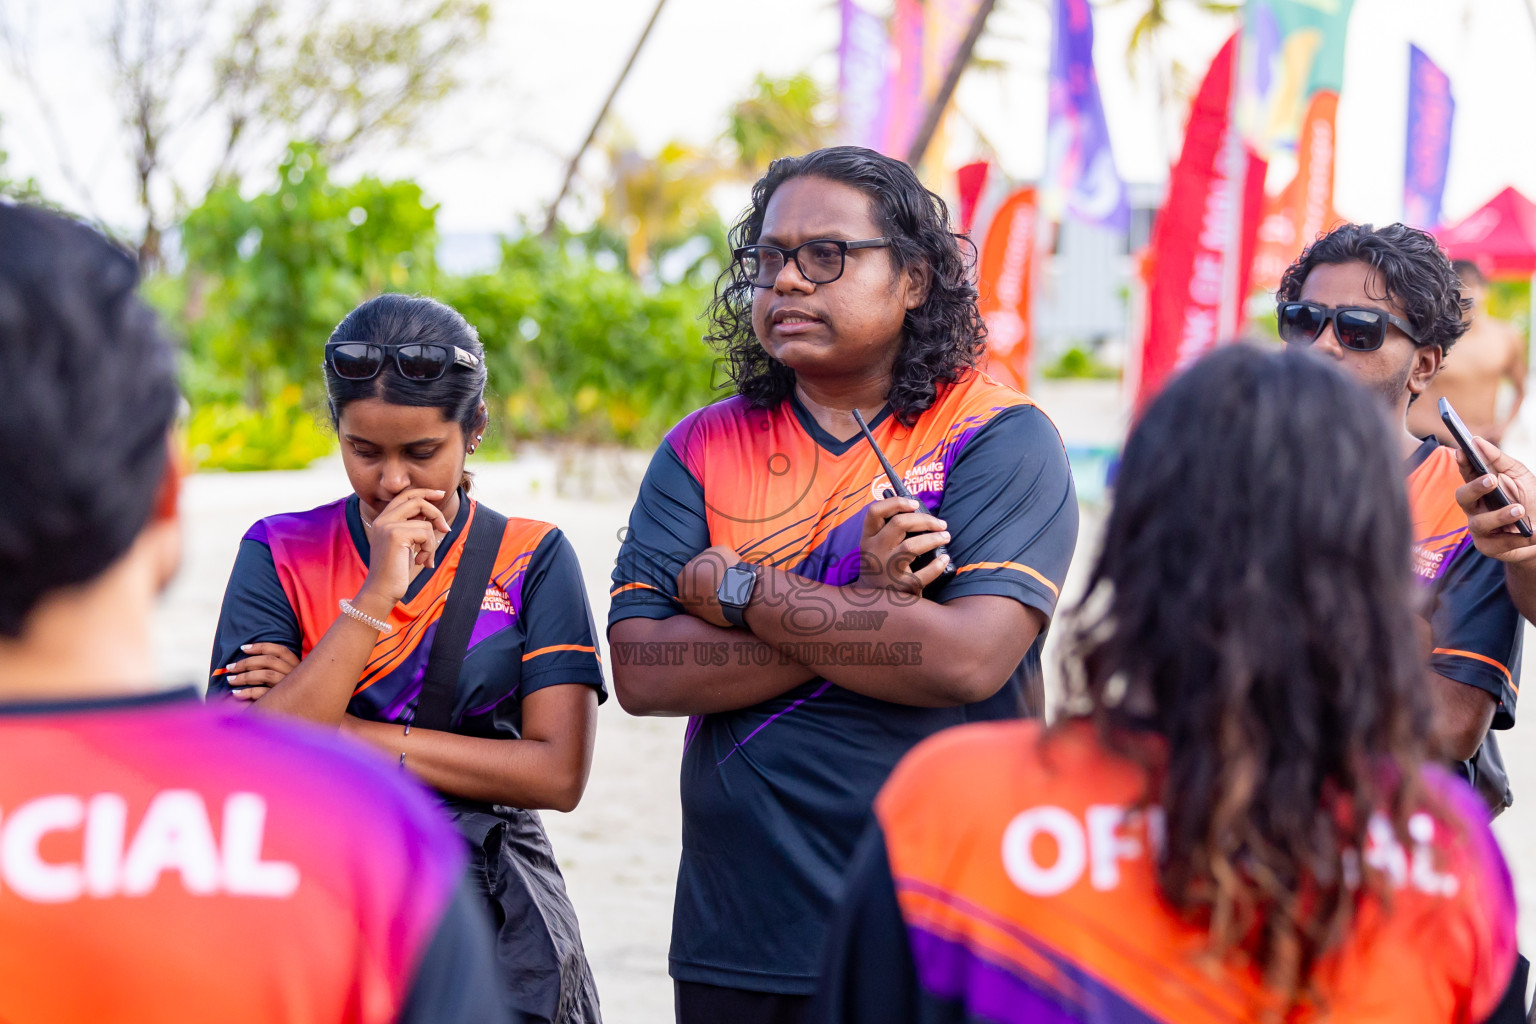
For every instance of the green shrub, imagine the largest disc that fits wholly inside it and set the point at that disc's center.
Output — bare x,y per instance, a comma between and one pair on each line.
577,348
1078,363
583,352
282,435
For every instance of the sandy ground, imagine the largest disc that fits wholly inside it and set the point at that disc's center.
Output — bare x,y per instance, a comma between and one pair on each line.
619,849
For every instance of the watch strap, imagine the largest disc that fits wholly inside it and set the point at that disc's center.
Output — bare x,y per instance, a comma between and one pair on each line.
736,614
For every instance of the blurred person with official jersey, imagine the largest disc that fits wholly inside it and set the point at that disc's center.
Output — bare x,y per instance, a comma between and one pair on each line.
1239,816
161,861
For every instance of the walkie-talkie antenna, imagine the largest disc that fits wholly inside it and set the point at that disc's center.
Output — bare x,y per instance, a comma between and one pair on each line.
900,488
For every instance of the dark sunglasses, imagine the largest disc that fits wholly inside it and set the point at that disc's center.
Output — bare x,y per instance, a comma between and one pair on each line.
821,260
362,360
1358,328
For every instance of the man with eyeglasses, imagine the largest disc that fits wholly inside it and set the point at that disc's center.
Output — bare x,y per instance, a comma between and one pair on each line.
1386,304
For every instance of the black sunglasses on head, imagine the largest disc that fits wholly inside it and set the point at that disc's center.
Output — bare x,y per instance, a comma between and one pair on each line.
1358,328
362,360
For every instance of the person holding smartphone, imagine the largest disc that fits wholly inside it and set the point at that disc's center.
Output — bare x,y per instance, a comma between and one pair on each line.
1495,529
334,615
1384,304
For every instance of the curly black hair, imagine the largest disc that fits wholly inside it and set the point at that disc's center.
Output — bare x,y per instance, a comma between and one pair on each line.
1409,263
1259,618
941,337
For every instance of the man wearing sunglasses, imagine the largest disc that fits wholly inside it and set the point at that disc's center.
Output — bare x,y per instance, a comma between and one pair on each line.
1385,303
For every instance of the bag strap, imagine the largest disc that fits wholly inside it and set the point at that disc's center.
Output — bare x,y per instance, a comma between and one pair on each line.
440,682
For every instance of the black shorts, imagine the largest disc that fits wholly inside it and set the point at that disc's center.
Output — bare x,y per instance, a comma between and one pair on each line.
698,1003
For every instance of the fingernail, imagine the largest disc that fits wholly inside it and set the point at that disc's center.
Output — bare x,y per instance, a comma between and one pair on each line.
246,647
230,667
1515,511
944,534
943,525
1487,481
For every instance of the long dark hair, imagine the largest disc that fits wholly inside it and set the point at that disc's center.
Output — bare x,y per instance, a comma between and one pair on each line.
1253,605
941,337
87,398
393,319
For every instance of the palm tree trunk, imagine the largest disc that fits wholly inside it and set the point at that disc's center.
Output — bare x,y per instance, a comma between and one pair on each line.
951,79
597,123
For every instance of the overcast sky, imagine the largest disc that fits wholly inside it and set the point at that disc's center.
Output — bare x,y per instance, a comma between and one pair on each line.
497,152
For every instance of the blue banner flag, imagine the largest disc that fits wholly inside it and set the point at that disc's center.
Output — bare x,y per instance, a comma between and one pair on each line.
1080,174
1430,113
864,78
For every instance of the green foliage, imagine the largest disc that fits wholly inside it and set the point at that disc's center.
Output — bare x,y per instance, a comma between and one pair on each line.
1511,301
19,190
1078,363
268,278
581,352
781,117
231,435
577,347
659,204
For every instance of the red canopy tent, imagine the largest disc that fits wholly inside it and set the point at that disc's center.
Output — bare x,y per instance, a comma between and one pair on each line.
1500,237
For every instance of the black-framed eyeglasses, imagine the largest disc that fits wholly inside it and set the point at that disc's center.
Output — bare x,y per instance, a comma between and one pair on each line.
1358,328
821,260
362,360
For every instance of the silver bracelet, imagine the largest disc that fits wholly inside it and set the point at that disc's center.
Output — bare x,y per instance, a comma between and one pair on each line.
348,609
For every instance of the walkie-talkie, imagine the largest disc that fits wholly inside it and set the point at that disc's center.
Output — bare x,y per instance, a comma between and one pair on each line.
902,492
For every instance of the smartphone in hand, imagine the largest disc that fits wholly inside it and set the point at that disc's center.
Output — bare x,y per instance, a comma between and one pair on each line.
1463,438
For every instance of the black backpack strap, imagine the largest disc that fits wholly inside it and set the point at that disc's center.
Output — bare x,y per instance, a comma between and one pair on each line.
440,683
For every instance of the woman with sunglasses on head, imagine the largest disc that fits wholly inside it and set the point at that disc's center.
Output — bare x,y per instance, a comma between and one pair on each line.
771,588
1238,817
353,615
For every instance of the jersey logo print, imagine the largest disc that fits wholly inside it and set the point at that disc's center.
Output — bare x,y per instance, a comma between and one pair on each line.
925,476
175,835
1439,527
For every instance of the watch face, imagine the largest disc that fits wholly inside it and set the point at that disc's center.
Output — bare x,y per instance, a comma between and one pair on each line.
736,586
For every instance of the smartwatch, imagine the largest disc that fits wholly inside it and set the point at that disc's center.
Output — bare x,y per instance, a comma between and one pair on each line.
735,591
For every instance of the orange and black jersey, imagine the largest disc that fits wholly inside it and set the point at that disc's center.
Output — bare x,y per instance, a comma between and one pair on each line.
165,862
1476,628
1476,631
1010,877
774,795
534,628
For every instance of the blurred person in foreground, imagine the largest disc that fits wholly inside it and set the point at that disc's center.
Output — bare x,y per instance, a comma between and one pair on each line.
1384,304
160,861
426,624
767,590
1490,353
1237,817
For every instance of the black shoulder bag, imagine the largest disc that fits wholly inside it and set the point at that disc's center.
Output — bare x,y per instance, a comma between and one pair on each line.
440,683
544,972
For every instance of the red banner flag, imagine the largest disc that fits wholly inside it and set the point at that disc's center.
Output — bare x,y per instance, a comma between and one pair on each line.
1203,241
1304,210
970,179
1003,278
